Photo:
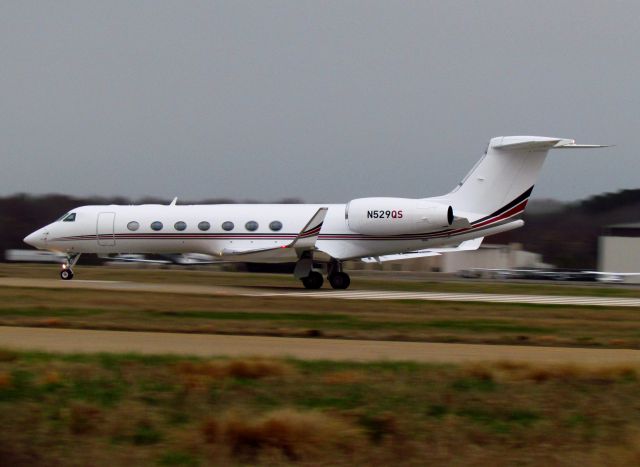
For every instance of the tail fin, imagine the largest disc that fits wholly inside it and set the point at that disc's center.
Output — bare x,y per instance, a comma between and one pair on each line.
504,177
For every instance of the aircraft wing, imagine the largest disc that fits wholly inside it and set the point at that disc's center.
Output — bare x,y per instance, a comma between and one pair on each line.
182,259
305,240
605,273
134,259
468,245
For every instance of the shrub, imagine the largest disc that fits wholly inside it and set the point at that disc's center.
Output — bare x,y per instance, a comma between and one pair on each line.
84,419
296,435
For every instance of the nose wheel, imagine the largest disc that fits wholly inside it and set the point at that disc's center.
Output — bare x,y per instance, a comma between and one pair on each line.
66,273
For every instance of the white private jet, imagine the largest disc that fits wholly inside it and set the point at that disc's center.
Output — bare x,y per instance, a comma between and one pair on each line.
489,200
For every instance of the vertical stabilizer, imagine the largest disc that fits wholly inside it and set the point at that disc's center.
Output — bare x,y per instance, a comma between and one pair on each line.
504,177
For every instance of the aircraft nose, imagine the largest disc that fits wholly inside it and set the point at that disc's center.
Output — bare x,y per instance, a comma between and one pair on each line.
35,239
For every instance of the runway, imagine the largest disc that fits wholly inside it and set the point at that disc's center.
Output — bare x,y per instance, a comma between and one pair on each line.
208,345
319,294
463,297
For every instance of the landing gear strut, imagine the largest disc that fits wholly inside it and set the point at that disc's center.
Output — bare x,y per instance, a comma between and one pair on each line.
66,273
337,278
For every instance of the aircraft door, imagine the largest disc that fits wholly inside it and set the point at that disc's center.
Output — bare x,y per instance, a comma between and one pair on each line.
105,229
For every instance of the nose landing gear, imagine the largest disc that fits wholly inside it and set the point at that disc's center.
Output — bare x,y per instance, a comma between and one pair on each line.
66,273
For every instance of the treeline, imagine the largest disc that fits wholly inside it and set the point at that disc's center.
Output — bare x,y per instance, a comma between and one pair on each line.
567,235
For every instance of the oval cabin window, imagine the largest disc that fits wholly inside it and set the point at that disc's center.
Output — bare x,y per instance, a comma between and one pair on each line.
204,225
133,226
157,225
275,226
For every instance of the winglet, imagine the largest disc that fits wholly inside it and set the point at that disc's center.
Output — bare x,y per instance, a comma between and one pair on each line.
307,237
175,200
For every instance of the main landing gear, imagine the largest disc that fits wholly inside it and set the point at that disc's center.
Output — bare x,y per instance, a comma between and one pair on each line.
313,281
66,273
337,278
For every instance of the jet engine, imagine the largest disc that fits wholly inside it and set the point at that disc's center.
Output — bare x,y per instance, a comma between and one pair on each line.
397,216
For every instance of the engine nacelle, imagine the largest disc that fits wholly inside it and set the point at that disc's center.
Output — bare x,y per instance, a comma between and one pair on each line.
396,216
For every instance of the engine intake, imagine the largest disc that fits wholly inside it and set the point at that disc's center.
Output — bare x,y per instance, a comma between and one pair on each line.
397,216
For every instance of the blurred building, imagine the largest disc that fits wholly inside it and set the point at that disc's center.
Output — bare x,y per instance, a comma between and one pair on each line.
619,250
488,256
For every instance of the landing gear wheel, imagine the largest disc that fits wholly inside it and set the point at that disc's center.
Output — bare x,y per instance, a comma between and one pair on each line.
339,280
66,274
313,281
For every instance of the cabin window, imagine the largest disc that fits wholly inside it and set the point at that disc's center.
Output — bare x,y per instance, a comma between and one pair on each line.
180,225
228,225
275,226
157,225
204,225
133,226
251,225
70,218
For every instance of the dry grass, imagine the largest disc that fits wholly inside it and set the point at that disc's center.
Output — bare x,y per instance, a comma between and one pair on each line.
51,377
198,376
251,368
293,434
84,419
5,380
7,355
512,371
115,410
344,377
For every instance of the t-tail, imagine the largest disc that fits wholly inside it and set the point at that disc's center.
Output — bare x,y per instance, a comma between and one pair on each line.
502,181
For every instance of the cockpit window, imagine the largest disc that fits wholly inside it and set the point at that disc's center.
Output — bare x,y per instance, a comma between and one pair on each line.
70,218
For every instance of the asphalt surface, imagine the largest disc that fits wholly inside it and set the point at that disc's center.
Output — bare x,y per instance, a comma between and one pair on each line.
318,294
207,345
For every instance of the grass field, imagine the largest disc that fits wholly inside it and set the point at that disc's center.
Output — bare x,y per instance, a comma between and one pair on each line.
160,410
391,320
288,316
126,409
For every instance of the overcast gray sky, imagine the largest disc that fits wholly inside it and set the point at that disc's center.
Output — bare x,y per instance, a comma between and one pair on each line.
325,101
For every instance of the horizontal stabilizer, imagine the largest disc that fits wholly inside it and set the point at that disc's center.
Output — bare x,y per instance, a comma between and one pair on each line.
581,146
540,143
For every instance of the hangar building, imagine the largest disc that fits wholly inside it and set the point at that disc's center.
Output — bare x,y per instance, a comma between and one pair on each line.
619,250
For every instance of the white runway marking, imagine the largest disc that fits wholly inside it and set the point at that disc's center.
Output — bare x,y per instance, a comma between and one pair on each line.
455,297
